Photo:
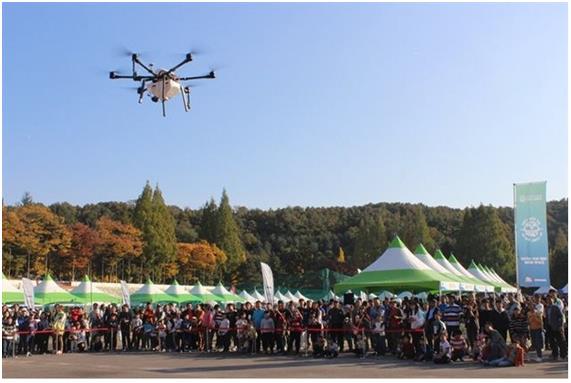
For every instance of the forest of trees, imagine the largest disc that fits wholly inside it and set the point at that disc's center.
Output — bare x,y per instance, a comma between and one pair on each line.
147,238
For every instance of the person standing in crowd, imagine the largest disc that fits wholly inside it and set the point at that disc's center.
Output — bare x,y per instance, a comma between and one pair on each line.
519,327
555,321
452,316
535,320
281,324
125,318
429,328
295,327
58,327
394,328
267,328
335,319
257,317
500,319
472,323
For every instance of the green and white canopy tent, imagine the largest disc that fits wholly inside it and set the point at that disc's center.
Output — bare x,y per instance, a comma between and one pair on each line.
475,271
48,292
247,297
479,285
423,295
203,295
227,296
405,294
504,286
87,293
422,254
149,293
10,293
180,293
398,269
258,296
467,284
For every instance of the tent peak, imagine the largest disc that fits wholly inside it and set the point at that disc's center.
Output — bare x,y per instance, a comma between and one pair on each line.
420,249
438,254
148,281
175,282
48,277
86,279
396,243
452,259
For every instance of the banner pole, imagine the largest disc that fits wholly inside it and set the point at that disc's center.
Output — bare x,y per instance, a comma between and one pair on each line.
515,238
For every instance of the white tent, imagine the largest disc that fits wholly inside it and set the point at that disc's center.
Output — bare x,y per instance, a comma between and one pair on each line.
257,296
544,290
330,295
363,296
564,289
405,294
423,295
475,271
385,294
247,297
372,296
280,297
299,295
48,292
291,297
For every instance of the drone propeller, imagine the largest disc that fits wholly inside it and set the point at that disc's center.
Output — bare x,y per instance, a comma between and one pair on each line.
126,52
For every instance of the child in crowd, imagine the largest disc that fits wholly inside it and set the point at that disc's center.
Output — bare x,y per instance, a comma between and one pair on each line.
406,348
359,345
444,350
161,330
379,335
421,350
459,346
319,346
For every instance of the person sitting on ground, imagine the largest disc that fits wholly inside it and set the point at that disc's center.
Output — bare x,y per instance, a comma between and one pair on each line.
459,346
332,349
421,350
497,344
444,350
514,357
406,348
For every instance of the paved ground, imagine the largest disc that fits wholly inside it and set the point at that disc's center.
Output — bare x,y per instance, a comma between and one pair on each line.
167,365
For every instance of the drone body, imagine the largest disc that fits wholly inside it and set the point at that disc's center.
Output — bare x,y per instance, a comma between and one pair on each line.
161,85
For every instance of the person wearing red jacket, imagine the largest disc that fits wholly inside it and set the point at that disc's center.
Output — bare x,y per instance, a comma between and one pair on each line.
295,328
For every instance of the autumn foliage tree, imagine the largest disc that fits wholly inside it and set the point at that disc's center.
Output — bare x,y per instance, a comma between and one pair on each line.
119,244
36,233
200,260
84,243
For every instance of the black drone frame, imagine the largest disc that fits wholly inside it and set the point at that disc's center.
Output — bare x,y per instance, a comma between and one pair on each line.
161,76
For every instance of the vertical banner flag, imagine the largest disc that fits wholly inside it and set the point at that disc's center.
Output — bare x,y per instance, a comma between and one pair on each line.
28,288
268,278
530,226
125,293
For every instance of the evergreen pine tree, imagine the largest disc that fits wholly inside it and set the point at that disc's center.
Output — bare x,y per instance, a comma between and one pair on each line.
558,260
164,227
371,240
143,220
485,239
228,238
208,222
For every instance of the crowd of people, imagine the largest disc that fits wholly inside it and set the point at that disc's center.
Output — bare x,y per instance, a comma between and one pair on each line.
496,330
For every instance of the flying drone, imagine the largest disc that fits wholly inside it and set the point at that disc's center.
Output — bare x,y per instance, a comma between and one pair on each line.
161,85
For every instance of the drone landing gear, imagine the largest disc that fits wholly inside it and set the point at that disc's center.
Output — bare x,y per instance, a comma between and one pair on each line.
185,94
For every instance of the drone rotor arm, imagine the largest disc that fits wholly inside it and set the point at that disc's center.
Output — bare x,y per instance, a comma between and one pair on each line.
137,61
183,62
210,75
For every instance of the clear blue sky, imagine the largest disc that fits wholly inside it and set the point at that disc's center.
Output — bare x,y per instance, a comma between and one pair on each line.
314,105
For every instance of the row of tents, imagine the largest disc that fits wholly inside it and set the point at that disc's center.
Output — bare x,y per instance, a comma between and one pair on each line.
49,292
398,269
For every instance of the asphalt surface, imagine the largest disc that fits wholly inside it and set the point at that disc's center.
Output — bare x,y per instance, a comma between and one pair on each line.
217,365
